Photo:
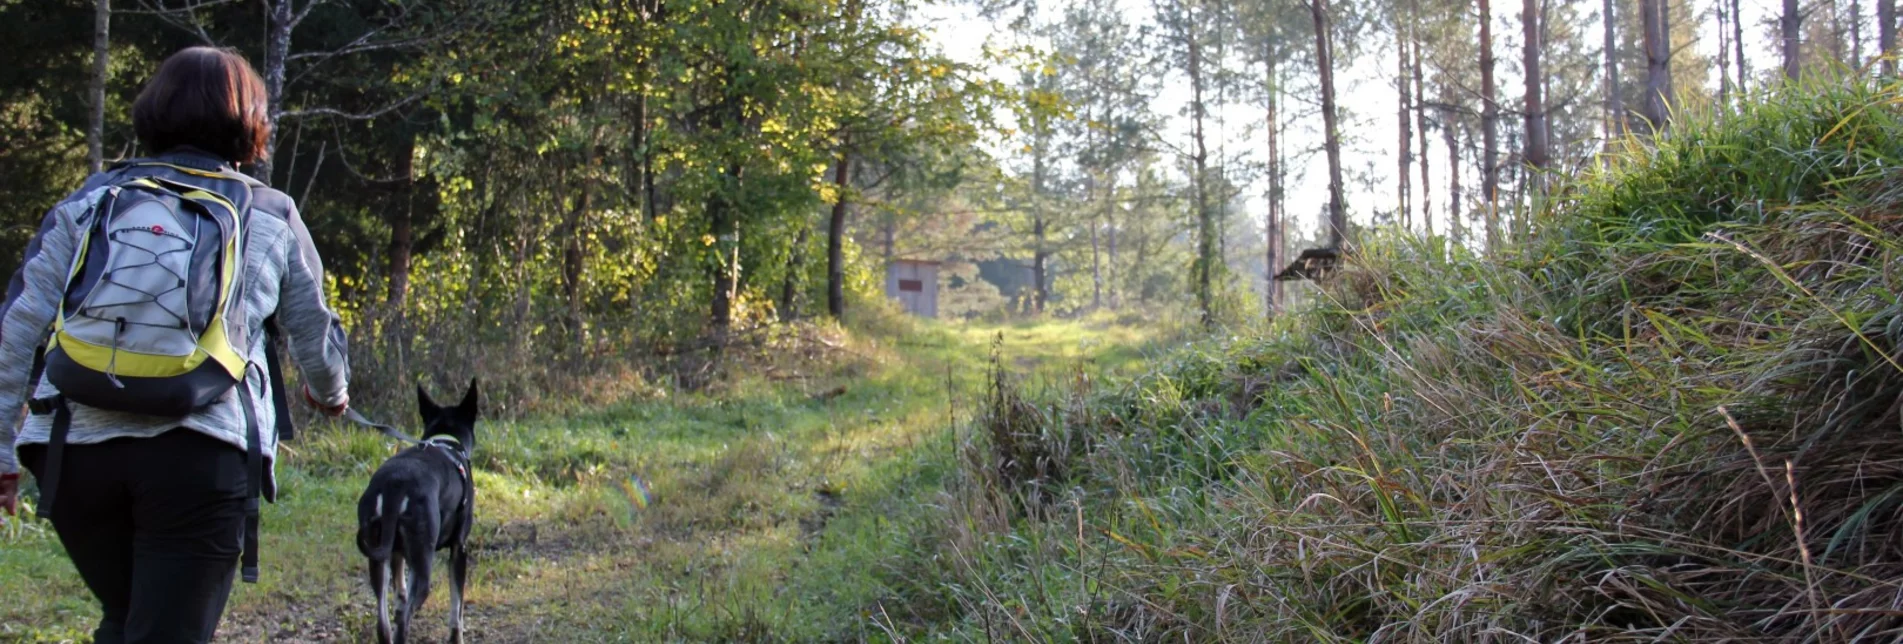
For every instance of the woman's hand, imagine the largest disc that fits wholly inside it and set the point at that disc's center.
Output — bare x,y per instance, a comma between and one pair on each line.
9,491
332,412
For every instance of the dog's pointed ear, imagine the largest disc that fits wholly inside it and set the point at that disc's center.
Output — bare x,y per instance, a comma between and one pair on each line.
471,404
424,404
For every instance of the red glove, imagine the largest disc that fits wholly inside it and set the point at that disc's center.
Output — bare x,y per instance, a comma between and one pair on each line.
332,412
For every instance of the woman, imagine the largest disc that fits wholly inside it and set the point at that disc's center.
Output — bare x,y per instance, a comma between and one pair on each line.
155,511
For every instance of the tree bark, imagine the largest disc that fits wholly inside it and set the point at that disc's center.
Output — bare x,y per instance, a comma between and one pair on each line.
1096,260
1658,65
1615,97
1534,36
277,47
1206,231
1452,139
836,241
1724,57
1737,43
724,224
1324,62
96,90
1420,119
1856,33
1886,35
1110,248
1489,124
572,250
1039,254
402,234
1096,266
1405,156
790,287
1272,222
644,158
1789,25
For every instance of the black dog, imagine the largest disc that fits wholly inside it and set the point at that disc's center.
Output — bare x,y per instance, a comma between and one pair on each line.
420,501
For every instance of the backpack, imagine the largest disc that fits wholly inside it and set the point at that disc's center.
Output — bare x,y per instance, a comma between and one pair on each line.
152,320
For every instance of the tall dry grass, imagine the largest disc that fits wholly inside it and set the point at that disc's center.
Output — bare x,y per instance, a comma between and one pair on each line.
1676,415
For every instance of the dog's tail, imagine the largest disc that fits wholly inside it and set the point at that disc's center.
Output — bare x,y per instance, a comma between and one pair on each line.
385,524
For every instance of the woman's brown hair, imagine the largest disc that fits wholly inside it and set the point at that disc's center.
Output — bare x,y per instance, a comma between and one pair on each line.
207,98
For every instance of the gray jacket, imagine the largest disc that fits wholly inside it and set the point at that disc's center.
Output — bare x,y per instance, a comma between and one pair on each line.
285,281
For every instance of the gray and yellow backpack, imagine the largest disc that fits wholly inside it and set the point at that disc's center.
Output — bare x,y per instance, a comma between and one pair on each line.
152,321
153,318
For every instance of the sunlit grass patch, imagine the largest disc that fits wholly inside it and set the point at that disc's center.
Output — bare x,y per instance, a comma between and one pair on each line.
772,502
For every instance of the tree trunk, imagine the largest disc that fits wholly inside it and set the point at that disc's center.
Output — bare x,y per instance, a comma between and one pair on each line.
1489,123
1324,62
1856,33
724,224
1420,119
1110,248
1886,35
1789,25
1724,57
1272,222
572,251
1039,255
1452,139
1405,156
96,90
402,234
1738,42
1096,266
644,158
1534,36
889,237
277,48
836,241
1615,97
1199,157
790,287
1097,223
1658,65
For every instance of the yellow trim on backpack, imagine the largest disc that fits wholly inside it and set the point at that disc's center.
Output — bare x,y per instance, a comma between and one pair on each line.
126,363
203,195
191,171
144,365
214,344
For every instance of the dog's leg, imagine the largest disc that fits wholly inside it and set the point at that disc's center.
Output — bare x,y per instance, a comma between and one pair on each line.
380,584
458,576
399,583
419,553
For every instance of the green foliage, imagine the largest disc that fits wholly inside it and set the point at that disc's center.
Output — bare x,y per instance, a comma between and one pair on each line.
1441,448
775,499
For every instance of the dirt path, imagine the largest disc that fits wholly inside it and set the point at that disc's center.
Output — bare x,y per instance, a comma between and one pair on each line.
770,513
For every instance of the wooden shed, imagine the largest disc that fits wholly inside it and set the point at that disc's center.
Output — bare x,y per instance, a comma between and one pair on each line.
914,283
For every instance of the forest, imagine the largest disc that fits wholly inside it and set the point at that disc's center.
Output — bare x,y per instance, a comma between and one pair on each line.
1254,320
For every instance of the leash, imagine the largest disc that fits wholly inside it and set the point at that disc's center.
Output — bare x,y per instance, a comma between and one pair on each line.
351,414
356,417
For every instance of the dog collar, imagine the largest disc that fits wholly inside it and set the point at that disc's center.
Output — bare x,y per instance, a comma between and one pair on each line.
454,448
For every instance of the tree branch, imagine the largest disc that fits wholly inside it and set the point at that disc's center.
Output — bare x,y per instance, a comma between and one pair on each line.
363,116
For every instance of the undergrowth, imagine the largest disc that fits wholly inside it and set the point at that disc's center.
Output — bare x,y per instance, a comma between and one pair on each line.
1676,414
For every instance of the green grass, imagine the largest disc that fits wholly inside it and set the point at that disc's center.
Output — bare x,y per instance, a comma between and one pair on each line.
1674,416
774,505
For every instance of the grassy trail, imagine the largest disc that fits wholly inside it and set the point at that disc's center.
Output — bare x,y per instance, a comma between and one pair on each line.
775,503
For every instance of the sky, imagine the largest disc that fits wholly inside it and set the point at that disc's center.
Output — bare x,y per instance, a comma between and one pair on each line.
1365,94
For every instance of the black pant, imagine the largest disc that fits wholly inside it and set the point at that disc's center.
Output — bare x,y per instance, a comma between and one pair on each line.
154,526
